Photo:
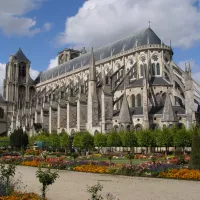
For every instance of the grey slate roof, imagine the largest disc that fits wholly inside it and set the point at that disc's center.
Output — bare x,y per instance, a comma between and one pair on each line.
124,115
114,48
152,110
2,99
20,56
158,81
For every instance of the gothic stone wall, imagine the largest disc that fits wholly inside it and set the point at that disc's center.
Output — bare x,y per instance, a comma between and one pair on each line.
63,117
46,120
72,116
53,120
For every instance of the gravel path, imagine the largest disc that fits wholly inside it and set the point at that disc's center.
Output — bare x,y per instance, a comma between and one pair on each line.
72,186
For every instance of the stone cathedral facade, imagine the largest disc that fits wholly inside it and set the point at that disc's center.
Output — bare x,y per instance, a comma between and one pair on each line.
130,84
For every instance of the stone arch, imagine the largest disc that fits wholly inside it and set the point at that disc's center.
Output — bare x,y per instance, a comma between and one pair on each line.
139,100
170,126
154,126
180,125
31,92
122,128
21,96
132,100
116,128
63,130
178,101
128,128
96,132
138,127
1,113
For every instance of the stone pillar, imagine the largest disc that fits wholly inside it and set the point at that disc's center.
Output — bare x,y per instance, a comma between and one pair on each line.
58,120
50,118
78,115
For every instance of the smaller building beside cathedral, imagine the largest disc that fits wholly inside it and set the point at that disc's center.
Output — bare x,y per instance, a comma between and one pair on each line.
130,84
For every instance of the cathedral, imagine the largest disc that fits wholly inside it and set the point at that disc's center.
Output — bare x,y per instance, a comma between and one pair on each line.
130,84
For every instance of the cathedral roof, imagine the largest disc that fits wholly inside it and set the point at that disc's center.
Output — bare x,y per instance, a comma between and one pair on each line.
168,111
20,56
143,37
2,99
124,115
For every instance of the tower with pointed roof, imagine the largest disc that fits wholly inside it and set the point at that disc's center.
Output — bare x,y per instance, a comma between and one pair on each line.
92,100
18,88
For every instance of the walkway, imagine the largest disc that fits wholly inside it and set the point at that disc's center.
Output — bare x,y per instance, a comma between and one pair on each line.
72,186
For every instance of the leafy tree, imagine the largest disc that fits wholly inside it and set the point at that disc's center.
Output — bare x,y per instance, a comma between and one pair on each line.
55,140
129,139
4,141
182,138
87,141
64,141
46,178
195,153
100,140
77,140
164,138
18,139
146,138
114,140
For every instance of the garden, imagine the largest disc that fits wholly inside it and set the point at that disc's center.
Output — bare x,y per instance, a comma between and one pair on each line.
100,153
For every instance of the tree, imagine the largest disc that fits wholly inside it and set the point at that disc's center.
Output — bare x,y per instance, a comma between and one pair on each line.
55,140
164,138
129,139
64,141
146,139
182,138
18,139
77,140
195,153
100,140
114,140
87,141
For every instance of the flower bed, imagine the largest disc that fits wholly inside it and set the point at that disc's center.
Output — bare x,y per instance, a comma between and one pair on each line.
91,168
181,174
33,163
20,196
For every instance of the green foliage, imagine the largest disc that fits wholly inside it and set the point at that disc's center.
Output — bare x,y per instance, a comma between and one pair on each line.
182,138
146,138
77,140
114,140
54,140
93,190
18,139
74,156
46,178
130,156
100,140
4,141
86,140
64,141
129,139
6,173
195,153
164,138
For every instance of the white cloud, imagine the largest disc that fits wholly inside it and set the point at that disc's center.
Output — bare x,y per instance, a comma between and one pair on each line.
47,26
53,63
33,73
13,20
2,76
99,22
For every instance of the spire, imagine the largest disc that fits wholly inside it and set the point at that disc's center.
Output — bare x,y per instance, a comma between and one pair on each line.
168,114
124,115
92,68
185,67
20,56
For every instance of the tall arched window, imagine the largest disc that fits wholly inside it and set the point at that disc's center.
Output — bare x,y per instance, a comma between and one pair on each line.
1,113
158,69
153,69
141,71
139,100
133,100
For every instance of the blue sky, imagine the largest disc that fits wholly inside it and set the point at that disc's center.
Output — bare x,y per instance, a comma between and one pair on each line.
44,27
